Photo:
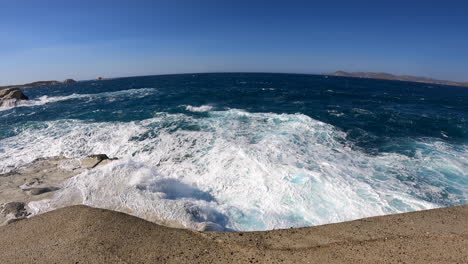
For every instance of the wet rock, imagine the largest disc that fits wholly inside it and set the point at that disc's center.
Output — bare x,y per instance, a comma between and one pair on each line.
16,209
209,226
12,93
11,96
94,160
99,156
104,162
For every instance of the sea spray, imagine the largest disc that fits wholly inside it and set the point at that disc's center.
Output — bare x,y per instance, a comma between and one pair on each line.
247,151
240,170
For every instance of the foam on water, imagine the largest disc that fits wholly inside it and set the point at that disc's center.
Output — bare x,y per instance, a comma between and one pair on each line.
202,108
48,100
239,170
39,101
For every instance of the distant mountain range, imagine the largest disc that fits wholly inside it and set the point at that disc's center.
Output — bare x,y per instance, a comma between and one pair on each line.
388,76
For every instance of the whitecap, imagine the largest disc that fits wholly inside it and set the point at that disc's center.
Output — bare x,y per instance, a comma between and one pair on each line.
239,170
202,108
138,93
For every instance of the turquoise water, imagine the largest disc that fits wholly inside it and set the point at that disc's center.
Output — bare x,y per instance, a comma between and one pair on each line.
249,151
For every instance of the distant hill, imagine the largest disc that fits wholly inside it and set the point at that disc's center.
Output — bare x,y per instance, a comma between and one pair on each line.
39,83
388,76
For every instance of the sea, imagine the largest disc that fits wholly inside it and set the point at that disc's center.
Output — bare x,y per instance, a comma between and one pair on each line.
248,151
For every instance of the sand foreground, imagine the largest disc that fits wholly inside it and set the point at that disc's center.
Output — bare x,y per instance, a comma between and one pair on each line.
81,234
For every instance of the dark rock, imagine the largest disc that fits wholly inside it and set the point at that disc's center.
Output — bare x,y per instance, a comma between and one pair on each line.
11,94
15,208
41,190
40,83
69,81
92,161
99,156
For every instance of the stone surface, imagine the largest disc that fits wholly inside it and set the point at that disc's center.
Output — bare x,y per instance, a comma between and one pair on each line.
80,234
32,183
12,93
38,180
69,81
16,209
11,96
93,160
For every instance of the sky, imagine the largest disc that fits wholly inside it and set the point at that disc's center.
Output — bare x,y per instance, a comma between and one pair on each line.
58,39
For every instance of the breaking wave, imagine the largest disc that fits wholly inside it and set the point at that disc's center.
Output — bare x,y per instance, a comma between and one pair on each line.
53,99
203,108
235,170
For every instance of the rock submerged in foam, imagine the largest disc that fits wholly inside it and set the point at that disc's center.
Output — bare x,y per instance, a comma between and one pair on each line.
93,161
15,209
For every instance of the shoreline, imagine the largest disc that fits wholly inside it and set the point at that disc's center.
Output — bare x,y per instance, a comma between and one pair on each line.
31,189
80,234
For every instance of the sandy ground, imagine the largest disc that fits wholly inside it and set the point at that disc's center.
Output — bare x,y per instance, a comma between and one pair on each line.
80,234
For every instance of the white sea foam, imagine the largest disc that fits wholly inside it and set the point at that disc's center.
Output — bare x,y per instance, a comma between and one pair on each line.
202,108
240,170
53,99
39,101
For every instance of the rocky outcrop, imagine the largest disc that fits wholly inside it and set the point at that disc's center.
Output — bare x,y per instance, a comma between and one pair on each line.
16,209
12,93
39,180
13,211
69,81
11,96
39,83
92,161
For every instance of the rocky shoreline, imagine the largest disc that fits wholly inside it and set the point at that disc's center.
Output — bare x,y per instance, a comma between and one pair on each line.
11,96
80,234
39,180
38,83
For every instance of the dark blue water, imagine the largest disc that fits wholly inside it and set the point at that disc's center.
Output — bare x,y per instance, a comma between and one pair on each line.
399,146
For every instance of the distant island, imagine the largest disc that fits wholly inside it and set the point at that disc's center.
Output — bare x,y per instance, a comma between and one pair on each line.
39,83
388,76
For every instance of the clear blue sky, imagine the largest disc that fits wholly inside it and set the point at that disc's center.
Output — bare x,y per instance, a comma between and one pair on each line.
58,39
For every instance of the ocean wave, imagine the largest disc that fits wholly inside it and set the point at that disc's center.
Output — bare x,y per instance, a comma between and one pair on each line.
239,170
39,101
53,99
202,108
